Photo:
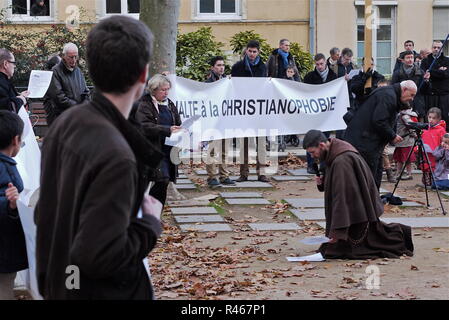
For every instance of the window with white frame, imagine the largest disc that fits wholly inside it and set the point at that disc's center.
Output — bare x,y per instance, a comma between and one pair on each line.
218,9
122,7
441,23
383,37
30,10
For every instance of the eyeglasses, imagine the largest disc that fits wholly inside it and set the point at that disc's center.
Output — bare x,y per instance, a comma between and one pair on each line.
13,62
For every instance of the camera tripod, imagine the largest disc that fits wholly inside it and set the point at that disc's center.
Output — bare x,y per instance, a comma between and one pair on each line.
423,158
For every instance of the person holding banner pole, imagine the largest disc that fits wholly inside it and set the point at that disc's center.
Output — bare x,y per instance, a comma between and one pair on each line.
322,74
251,66
437,78
217,69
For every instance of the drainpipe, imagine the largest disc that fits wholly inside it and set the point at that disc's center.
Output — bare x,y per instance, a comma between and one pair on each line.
312,27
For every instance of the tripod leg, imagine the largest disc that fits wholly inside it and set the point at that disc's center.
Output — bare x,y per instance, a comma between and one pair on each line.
403,168
421,160
432,177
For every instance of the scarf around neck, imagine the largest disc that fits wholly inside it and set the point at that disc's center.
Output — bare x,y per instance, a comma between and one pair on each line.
324,74
284,56
248,63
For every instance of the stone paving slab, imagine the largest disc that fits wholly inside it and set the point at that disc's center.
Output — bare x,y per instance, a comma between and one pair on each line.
249,185
184,181
180,171
205,227
195,219
185,186
251,201
420,222
306,202
291,178
445,193
311,214
193,210
411,204
202,172
241,195
274,226
299,172
182,176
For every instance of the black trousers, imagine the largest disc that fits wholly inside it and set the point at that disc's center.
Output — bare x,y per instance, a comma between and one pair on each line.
159,191
375,163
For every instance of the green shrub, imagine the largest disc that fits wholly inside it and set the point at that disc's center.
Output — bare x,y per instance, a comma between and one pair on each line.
194,51
240,40
303,59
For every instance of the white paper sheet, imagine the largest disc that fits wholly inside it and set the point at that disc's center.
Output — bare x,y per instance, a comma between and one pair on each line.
353,73
315,240
39,83
317,257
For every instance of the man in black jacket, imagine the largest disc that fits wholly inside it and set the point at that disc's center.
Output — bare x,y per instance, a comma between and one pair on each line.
280,59
322,74
409,70
357,84
95,224
68,86
10,99
409,45
373,124
438,79
251,66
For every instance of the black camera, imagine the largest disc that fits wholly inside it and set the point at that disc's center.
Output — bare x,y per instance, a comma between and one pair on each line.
417,125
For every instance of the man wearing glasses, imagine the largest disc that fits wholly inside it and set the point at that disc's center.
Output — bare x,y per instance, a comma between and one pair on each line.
10,99
68,86
439,81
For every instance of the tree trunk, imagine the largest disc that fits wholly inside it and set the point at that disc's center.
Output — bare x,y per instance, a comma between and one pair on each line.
161,16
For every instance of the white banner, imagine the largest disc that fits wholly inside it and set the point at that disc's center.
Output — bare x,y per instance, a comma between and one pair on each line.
29,166
251,107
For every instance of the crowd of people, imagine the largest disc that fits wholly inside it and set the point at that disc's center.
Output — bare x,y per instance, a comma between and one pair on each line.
106,148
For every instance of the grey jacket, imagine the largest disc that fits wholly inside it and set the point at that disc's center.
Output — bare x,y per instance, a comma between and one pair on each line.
442,167
67,88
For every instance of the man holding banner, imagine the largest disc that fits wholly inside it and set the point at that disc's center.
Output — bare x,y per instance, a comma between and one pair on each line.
251,66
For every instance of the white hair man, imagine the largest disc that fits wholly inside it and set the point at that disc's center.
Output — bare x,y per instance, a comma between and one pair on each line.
373,126
68,86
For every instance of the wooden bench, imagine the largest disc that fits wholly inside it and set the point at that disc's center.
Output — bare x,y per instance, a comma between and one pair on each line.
38,118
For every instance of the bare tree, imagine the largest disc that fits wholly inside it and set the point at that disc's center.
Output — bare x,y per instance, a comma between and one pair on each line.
161,16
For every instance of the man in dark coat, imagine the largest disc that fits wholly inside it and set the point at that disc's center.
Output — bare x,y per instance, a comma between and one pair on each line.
353,205
217,147
251,66
10,99
94,222
409,45
68,86
372,126
438,78
357,84
409,70
321,74
39,8
280,59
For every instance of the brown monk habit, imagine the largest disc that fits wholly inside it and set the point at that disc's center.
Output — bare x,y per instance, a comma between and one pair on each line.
353,208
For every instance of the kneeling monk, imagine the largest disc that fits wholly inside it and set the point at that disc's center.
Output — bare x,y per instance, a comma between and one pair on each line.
353,205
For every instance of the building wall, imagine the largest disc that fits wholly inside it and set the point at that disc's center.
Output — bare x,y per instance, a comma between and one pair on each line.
273,20
336,21
413,26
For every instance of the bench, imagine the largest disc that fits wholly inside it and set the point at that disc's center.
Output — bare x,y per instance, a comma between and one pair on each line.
38,118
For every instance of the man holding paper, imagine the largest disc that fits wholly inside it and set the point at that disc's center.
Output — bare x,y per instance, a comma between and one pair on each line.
9,97
353,205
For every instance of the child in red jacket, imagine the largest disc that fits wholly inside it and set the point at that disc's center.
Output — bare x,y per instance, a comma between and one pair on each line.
432,138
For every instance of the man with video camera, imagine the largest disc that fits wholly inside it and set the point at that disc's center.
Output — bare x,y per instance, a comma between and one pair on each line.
372,127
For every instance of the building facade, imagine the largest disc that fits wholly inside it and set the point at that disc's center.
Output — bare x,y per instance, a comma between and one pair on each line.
317,25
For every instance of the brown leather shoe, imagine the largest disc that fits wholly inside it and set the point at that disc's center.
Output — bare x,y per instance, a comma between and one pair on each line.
263,178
